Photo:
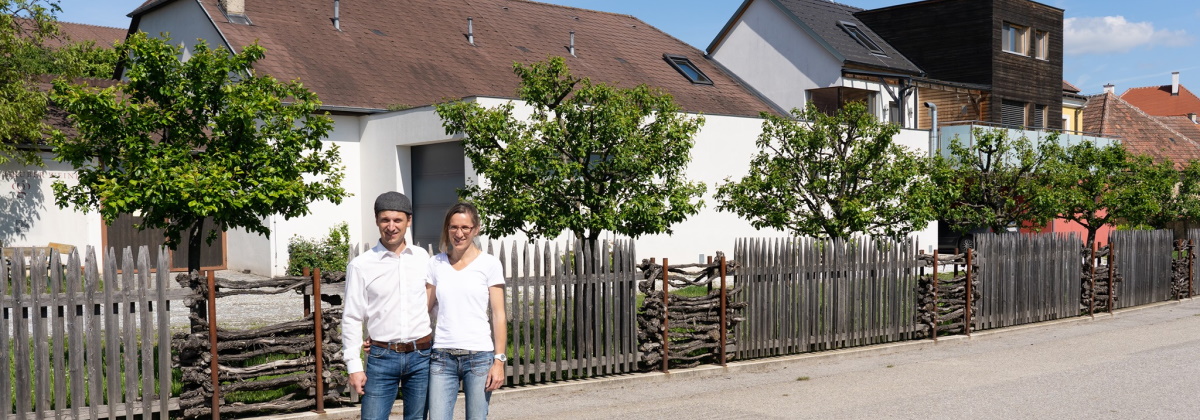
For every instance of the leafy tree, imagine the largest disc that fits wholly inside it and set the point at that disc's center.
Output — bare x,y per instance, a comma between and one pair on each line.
24,26
186,141
831,176
1104,185
995,181
591,157
1185,203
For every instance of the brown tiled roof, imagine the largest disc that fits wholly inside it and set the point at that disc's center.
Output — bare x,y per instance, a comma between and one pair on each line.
104,36
1068,87
1158,137
1157,100
415,52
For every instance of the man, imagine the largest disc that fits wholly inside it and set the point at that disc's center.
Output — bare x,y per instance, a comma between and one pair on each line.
386,288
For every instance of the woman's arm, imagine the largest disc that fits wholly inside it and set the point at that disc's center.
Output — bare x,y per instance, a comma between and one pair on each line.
499,336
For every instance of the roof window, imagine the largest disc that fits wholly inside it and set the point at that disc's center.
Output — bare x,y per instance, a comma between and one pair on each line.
861,37
685,67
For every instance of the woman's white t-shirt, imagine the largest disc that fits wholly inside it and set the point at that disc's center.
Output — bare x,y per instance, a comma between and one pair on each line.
462,301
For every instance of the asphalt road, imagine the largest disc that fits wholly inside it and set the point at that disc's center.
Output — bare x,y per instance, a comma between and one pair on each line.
1142,363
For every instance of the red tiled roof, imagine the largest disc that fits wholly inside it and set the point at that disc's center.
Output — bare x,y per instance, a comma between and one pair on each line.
1158,137
1157,100
415,52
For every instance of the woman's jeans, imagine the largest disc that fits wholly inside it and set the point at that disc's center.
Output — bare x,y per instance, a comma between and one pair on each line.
387,369
450,367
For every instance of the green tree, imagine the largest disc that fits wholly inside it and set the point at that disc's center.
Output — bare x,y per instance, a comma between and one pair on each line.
1184,205
591,157
831,176
186,141
1105,185
995,181
24,26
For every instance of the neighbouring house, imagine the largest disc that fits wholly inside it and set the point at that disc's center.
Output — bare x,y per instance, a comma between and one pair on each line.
1072,108
1166,100
378,67
794,52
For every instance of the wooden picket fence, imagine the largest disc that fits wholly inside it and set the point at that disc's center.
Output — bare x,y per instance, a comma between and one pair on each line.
81,343
1144,259
571,310
804,294
1025,278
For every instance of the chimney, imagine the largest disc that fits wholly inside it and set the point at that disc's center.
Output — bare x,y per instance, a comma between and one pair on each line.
337,15
1192,116
471,30
1110,88
234,7
571,47
1174,83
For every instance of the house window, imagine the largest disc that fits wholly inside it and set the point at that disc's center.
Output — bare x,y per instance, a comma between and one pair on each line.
1016,39
1012,113
861,37
687,69
1038,119
830,100
1041,44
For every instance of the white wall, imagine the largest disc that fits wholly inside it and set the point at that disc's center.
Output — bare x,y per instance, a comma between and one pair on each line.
28,215
774,55
184,23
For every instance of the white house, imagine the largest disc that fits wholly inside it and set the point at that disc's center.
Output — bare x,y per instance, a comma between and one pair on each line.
380,66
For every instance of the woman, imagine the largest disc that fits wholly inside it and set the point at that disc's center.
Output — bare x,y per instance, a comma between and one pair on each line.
466,350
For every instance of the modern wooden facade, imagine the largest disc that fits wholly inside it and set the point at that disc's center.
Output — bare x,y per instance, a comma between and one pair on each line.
1013,46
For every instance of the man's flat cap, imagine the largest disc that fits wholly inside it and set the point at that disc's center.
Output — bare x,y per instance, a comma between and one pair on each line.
393,201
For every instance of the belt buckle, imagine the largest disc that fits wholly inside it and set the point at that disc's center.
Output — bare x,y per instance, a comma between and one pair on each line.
458,352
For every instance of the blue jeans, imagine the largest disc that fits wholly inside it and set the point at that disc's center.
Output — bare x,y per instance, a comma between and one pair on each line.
386,370
447,371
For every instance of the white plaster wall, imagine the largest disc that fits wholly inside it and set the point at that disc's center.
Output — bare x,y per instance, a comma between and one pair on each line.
28,215
184,22
773,54
918,142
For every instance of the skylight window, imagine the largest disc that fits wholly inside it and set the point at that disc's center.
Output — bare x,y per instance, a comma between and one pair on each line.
861,37
685,67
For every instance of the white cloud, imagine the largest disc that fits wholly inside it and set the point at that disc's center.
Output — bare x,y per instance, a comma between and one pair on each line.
1114,34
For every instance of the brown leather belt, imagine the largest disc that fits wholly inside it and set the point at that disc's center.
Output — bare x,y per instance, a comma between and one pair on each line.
423,343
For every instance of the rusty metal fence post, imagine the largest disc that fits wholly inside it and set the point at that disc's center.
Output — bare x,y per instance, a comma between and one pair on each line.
724,321
935,294
666,317
1092,279
970,295
213,366
318,336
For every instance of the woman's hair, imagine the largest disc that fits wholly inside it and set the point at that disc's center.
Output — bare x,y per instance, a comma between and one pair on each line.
463,208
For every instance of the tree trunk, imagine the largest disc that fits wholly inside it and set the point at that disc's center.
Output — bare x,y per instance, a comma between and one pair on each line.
195,239
197,306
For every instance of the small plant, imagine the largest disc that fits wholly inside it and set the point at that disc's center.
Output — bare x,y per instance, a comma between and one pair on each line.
328,254
891,366
802,378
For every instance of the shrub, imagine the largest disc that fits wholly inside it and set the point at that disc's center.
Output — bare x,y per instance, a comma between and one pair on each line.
329,254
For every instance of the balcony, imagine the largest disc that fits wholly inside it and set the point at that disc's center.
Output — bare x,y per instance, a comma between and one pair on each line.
965,131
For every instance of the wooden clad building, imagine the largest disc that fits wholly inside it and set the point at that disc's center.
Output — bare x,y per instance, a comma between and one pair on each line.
1013,48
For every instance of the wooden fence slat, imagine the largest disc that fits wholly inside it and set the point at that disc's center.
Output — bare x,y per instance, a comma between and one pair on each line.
75,328
7,313
539,311
111,330
128,347
37,316
21,319
92,313
58,313
161,277
146,343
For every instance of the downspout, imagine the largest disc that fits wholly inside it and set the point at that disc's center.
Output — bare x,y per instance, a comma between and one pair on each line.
933,129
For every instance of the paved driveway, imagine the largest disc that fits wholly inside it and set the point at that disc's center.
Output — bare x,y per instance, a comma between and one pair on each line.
1140,363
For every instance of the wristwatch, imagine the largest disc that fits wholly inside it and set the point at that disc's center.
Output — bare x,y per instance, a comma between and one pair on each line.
501,357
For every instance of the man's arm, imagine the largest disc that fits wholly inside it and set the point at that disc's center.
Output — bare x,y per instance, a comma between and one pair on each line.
353,315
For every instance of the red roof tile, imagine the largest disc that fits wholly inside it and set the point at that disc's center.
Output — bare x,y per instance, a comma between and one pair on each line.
415,52
1157,100
1158,137
1068,87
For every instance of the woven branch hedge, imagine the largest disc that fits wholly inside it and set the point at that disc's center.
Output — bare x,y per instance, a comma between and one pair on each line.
941,301
694,323
274,357
1102,286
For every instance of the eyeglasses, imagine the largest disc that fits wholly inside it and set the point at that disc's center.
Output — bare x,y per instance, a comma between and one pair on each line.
463,229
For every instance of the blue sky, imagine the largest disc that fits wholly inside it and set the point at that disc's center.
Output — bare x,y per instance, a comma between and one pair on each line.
1127,43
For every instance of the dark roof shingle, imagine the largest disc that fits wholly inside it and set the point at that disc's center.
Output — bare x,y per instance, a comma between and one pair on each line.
823,17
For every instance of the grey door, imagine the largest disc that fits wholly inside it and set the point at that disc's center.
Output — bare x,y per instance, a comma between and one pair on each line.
438,171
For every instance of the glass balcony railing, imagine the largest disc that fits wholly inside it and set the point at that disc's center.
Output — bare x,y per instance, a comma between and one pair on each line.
965,131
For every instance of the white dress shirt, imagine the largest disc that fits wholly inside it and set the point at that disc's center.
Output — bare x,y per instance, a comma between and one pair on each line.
386,291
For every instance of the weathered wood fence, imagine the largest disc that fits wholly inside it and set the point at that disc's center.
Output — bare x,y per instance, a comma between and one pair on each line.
809,295
1025,278
1144,260
571,310
78,343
